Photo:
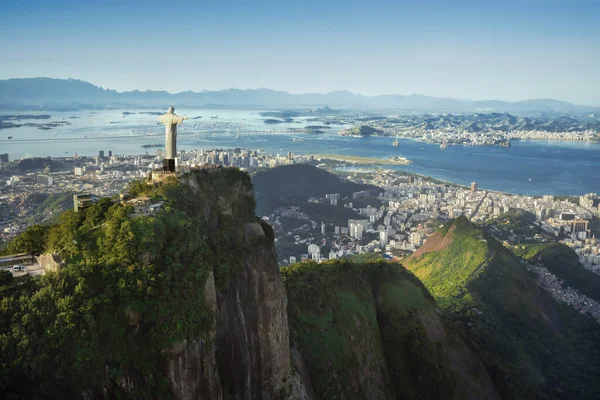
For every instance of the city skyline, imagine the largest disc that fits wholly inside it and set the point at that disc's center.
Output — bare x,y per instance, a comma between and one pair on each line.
466,50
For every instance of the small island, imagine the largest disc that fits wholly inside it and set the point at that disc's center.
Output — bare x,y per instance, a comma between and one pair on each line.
277,121
365,160
361,131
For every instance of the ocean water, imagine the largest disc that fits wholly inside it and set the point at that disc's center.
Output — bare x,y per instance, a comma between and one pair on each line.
528,167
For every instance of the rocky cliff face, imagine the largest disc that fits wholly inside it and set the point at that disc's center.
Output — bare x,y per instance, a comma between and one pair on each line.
252,330
246,354
192,367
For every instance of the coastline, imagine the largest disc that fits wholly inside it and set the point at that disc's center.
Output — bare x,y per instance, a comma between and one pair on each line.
396,160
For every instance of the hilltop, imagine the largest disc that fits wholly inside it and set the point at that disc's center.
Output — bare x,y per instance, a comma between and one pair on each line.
532,346
159,305
362,131
297,183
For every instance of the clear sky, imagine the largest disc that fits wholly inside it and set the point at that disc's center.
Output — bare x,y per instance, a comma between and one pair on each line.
502,49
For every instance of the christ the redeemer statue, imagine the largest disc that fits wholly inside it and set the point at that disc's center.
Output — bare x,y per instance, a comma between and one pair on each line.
171,121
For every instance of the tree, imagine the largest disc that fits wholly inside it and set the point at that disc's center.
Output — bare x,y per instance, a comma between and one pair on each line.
138,187
5,278
32,240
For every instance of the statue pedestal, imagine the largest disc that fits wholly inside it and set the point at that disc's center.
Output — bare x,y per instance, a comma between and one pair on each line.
169,165
160,176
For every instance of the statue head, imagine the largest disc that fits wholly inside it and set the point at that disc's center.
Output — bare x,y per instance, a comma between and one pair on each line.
171,110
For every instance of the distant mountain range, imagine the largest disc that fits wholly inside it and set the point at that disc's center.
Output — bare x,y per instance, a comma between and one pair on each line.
56,94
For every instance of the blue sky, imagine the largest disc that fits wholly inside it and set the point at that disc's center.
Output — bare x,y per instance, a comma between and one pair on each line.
507,50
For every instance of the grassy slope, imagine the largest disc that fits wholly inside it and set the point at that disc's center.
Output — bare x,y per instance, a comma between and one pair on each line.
513,323
371,331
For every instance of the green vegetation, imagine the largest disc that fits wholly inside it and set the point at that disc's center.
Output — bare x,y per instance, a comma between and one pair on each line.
131,289
51,208
563,262
531,346
517,224
362,130
367,330
6,279
31,240
365,258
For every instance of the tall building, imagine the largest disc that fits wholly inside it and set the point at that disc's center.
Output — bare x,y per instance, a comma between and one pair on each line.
473,186
101,154
109,153
4,211
333,198
3,158
314,249
322,228
384,238
45,180
415,239
579,225
357,227
81,201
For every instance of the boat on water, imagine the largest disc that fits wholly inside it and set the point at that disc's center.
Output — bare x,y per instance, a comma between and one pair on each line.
442,146
10,137
396,143
298,140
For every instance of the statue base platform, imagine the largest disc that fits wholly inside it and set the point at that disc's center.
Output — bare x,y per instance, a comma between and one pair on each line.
160,176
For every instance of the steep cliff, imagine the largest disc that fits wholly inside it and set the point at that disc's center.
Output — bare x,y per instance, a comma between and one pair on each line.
186,302
246,355
371,331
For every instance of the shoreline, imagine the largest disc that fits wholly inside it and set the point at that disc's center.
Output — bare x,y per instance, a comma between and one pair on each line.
449,183
357,160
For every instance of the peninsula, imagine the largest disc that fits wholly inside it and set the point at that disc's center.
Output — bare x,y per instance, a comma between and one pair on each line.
365,160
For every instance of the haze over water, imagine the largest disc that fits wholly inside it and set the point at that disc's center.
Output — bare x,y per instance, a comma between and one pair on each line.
528,167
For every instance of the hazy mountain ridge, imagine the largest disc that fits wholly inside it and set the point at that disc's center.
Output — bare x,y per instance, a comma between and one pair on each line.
494,122
50,93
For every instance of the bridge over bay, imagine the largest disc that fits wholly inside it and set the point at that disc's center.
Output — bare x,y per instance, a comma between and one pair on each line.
154,137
